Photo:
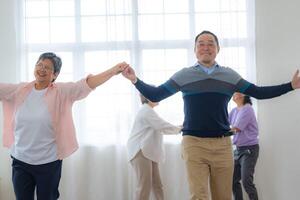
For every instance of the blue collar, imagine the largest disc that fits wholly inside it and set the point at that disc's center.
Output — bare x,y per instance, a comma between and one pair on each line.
207,70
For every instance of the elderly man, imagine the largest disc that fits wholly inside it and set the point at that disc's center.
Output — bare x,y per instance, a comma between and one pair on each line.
207,88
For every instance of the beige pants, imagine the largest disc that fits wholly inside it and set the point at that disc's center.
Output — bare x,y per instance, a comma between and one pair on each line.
208,161
148,178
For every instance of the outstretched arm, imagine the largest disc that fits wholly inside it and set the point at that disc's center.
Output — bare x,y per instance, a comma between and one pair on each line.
8,91
96,80
154,94
267,92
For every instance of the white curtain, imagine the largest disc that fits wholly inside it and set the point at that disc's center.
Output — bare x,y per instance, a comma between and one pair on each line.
104,173
156,37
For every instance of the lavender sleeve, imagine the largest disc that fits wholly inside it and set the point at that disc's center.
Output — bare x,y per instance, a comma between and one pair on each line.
244,117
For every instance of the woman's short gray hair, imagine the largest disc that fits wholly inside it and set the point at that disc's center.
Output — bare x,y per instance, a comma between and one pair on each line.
56,61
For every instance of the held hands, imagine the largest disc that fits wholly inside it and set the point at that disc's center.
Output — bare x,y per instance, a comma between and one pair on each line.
127,71
129,74
118,68
296,80
235,130
95,80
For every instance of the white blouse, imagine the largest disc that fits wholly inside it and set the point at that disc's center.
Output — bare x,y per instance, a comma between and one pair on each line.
147,134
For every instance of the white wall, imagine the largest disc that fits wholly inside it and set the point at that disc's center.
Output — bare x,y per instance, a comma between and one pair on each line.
7,74
278,56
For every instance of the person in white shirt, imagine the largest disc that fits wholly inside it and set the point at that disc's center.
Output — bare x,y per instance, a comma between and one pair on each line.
145,149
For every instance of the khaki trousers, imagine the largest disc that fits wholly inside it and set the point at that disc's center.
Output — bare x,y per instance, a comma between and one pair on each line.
148,178
208,161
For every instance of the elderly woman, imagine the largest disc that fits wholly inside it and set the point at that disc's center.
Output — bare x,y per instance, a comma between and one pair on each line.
38,125
145,149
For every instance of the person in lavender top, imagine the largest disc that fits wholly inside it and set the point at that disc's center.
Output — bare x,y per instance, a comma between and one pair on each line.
244,124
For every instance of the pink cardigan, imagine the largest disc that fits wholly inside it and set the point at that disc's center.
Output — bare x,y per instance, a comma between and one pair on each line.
59,99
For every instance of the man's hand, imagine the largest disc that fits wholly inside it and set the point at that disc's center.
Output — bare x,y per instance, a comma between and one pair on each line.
129,73
296,80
